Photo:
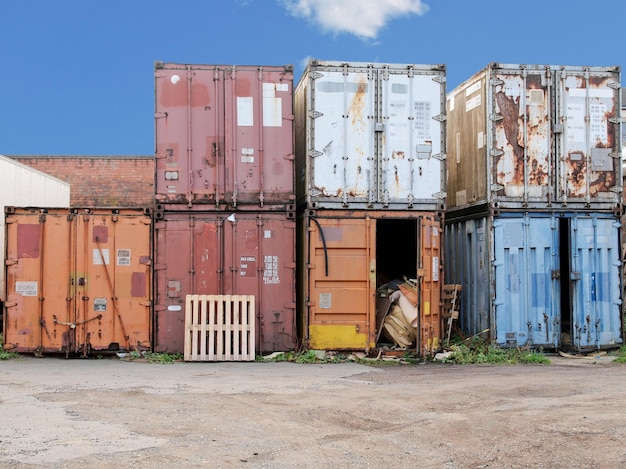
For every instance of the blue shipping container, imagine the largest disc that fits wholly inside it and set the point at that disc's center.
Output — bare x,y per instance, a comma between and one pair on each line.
544,279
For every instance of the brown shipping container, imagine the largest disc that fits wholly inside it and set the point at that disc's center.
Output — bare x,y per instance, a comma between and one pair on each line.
240,253
78,280
344,259
224,135
529,136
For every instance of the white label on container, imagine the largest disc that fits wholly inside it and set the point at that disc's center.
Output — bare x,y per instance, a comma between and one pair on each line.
423,118
325,301
269,90
267,234
451,102
480,140
593,92
247,151
272,112
26,288
270,272
123,257
97,258
597,122
245,112
576,122
247,159
472,88
472,103
435,269
100,304
174,308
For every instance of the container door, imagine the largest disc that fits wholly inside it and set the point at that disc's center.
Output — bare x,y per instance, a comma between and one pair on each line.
113,257
342,120
525,256
522,168
38,310
189,128
430,285
595,285
341,284
411,138
259,135
588,147
260,261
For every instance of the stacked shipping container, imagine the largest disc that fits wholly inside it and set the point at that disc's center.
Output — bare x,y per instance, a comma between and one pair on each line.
534,204
225,195
370,152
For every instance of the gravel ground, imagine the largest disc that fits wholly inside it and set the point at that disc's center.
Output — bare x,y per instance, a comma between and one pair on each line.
59,413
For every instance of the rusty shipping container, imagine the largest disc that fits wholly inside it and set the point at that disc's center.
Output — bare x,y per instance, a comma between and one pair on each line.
535,137
541,279
240,253
345,258
78,280
224,136
370,136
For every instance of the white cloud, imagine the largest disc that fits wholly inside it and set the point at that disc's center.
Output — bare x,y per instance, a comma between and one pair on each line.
363,18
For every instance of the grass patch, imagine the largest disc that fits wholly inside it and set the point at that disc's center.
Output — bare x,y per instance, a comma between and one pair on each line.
4,354
479,350
620,354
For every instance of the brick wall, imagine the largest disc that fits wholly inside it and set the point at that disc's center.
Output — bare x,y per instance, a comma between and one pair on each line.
101,181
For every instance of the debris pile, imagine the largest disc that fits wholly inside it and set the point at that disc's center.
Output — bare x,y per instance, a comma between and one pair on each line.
400,320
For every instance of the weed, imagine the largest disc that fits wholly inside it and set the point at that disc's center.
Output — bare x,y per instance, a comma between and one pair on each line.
5,355
162,358
620,354
479,350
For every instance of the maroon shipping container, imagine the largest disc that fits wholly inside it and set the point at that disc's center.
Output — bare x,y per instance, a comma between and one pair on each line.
241,253
224,135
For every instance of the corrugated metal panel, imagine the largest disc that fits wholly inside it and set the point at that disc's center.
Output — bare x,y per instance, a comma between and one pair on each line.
541,279
529,136
348,255
23,186
219,254
371,136
224,135
78,281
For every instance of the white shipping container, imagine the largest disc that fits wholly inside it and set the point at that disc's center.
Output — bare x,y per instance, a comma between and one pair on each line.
370,136
23,186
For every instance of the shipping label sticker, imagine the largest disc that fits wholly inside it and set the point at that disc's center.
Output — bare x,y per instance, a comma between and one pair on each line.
99,304
247,266
423,118
435,269
272,112
267,234
245,113
26,288
97,258
123,257
576,122
325,300
597,123
270,272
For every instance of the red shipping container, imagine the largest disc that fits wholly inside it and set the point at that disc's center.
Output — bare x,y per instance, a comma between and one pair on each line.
219,254
224,135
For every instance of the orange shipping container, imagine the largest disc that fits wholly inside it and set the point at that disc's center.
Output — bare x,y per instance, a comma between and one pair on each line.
77,280
346,257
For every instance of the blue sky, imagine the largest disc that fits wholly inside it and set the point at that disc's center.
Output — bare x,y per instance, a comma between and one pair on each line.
77,75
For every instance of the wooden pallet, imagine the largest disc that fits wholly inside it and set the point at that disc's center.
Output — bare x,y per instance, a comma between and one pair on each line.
451,306
219,328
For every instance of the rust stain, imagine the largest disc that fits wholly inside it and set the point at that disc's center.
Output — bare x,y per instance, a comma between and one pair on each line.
357,106
577,169
397,155
509,108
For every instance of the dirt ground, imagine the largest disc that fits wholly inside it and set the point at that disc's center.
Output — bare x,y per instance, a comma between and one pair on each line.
59,413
